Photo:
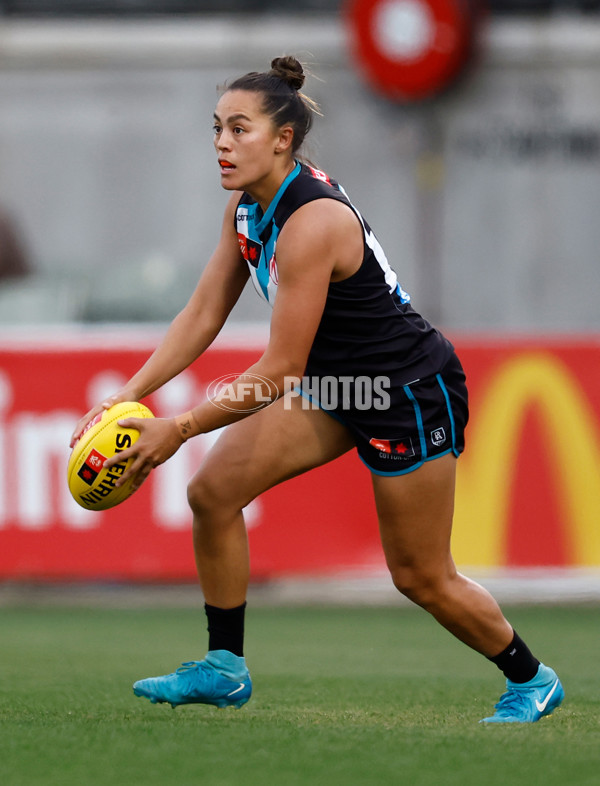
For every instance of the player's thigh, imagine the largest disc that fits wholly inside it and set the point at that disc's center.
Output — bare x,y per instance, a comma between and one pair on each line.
277,443
415,514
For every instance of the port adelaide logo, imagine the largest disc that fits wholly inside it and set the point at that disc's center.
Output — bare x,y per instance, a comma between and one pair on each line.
438,437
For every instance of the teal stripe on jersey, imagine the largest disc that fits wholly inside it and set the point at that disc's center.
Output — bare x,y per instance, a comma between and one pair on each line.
266,219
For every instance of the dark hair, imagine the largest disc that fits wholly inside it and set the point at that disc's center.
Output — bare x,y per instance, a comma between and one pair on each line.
282,99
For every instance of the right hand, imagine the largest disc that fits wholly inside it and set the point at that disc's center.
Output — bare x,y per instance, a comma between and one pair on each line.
107,403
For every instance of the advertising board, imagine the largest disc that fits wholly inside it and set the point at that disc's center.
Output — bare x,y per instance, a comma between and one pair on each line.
528,489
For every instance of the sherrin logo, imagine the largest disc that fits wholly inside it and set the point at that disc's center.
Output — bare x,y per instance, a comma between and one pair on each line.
92,485
91,467
107,484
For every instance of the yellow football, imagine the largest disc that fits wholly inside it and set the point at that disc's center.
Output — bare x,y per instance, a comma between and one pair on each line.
92,486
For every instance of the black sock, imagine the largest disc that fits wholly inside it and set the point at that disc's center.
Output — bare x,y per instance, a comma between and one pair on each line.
516,662
226,628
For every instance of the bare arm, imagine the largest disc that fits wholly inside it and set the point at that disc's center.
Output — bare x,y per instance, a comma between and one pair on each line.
319,241
195,327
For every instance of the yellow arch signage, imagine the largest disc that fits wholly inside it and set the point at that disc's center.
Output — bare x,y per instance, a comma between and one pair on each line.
486,469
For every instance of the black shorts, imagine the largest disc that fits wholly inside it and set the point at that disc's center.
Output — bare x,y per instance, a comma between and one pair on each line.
424,419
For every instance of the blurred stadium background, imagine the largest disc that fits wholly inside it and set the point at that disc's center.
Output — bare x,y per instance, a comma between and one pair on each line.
483,191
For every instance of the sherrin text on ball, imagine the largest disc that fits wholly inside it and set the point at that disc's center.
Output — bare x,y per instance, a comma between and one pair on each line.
92,486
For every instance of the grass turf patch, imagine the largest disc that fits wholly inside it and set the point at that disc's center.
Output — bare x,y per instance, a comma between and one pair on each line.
342,696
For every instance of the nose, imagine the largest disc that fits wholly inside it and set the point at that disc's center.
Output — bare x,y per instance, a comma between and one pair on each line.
223,141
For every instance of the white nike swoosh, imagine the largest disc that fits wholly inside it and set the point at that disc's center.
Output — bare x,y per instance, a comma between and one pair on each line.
541,705
237,690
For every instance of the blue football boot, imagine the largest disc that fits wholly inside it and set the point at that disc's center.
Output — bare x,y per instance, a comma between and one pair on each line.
221,679
527,702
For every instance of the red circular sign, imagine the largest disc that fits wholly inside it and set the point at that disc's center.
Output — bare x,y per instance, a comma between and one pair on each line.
411,49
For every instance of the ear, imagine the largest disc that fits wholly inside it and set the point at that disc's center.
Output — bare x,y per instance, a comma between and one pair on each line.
285,138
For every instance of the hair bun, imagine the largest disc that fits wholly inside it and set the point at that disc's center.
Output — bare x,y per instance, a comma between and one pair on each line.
289,70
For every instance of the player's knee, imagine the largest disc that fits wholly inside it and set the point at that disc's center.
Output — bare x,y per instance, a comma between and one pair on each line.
423,587
204,494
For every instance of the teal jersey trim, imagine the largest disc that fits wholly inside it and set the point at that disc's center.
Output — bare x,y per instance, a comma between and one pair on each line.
268,216
263,267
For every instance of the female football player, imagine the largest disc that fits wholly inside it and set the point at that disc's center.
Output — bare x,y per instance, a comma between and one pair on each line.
338,310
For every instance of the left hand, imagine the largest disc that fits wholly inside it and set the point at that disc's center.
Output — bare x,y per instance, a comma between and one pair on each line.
159,439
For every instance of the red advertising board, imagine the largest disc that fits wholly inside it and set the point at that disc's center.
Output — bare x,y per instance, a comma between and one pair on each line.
527,490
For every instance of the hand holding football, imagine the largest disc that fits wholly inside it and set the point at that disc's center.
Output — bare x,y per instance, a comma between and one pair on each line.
91,484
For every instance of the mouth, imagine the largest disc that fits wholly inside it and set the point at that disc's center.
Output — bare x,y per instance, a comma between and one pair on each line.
226,166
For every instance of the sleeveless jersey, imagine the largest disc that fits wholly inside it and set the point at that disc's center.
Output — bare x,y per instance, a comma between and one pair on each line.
368,325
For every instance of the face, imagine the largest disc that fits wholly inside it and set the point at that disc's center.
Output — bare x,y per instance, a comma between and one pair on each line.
249,147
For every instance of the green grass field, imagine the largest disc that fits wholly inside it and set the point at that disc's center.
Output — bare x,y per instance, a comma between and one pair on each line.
342,696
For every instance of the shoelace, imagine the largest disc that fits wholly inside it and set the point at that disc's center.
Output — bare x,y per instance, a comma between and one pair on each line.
512,699
191,665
